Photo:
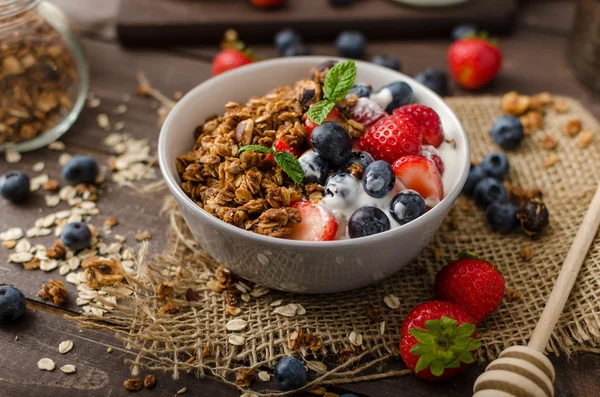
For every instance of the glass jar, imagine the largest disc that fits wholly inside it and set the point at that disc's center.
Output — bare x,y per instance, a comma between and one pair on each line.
584,44
43,75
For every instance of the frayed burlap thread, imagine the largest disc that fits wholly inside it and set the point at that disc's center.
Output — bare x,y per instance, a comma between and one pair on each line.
196,340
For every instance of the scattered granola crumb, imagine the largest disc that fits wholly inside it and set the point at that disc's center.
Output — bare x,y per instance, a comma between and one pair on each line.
551,160
526,253
57,145
391,301
101,271
182,390
513,295
318,390
121,109
32,264
68,369
164,290
65,346
94,102
540,100
46,364
533,120
133,384
169,308
51,185
145,235
54,291
12,157
149,381
264,376
57,251
560,106
549,142
515,104
572,127
329,394
109,350
110,222
103,121
38,167
177,95
9,244
244,377
584,139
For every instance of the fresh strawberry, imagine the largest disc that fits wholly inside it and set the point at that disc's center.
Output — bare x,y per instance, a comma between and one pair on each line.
281,146
367,112
391,138
428,120
420,174
267,3
229,59
474,62
471,283
309,125
437,340
317,224
429,152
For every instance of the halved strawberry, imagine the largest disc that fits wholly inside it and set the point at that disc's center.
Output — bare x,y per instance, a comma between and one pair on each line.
281,146
317,224
432,154
309,125
420,174
428,120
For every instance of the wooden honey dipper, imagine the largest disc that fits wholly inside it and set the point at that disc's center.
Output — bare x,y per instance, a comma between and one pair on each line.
524,371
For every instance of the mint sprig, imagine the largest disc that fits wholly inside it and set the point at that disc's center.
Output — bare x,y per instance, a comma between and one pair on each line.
338,82
288,162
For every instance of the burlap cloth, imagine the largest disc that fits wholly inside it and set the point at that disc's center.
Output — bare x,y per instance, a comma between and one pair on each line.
179,342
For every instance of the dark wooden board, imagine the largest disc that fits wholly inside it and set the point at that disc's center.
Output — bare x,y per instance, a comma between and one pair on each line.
181,22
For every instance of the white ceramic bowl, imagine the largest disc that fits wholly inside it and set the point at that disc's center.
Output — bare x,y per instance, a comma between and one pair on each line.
299,266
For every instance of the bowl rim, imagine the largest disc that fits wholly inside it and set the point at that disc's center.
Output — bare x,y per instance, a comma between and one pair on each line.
215,222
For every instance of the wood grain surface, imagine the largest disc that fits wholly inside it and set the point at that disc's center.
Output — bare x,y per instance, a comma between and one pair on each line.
534,62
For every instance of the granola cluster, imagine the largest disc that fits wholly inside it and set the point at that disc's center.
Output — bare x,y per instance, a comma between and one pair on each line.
250,190
37,78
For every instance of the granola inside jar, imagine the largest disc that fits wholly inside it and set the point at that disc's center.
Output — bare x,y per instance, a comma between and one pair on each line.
43,75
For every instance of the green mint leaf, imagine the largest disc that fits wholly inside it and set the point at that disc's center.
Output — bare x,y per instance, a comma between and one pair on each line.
424,362
422,335
437,367
290,165
255,148
319,111
339,80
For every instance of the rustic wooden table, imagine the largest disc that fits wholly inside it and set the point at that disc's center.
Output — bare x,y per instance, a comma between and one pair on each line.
535,62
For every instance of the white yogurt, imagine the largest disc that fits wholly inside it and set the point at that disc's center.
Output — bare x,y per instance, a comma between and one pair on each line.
382,97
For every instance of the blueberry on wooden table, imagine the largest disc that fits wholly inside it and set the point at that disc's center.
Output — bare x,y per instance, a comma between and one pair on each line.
463,30
361,90
507,131
488,191
476,174
407,206
502,216
80,169
12,304
435,79
76,236
332,142
14,186
351,44
387,61
495,165
378,179
286,39
290,374
315,168
367,221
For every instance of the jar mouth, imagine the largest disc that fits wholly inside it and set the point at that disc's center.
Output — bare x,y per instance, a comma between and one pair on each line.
10,8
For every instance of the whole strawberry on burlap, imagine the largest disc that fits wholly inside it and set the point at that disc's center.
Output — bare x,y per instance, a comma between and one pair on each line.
438,340
474,62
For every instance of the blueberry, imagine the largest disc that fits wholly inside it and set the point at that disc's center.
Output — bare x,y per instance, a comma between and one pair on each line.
393,96
80,169
476,174
12,304
463,30
290,374
287,38
366,221
361,90
378,179
388,61
340,3
14,186
361,158
76,236
332,142
407,206
495,165
351,44
488,191
435,79
502,216
343,185
315,168
296,50
507,132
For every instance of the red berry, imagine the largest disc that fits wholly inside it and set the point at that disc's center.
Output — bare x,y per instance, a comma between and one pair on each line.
430,153
229,59
437,340
392,137
428,120
281,146
472,283
317,224
367,112
474,62
309,125
420,174
267,3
